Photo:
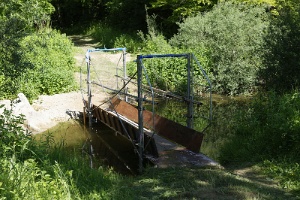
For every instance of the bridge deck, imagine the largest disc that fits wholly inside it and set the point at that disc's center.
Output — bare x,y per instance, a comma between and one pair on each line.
161,150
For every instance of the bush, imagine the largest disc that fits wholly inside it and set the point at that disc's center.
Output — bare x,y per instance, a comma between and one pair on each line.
164,73
14,140
230,37
281,59
108,37
48,61
268,129
33,59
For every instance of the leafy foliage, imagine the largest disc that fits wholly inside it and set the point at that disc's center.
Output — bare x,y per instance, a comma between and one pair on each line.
35,13
287,172
127,16
69,13
55,172
281,58
268,129
231,37
14,140
48,60
171,12
33,59
108,37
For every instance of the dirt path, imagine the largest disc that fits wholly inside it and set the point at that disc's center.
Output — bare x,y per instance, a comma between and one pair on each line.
47,111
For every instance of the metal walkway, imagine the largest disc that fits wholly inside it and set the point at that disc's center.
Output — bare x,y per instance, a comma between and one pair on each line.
153,137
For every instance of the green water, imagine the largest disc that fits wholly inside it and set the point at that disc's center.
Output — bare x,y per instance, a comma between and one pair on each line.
177,112
218,130
108,148
115,150
71,133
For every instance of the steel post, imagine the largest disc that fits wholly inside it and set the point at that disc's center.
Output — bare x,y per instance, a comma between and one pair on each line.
140,112
190,92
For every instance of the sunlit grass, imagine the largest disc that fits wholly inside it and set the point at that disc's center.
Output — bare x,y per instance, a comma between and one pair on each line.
63,172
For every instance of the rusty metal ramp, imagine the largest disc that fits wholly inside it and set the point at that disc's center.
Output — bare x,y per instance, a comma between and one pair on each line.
125,128
176,145
182,135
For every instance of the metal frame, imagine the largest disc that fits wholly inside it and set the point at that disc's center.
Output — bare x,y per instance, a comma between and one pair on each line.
190,95
140,71
89,82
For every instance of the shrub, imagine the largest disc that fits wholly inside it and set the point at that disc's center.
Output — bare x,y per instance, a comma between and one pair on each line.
230,37
268,129
14,139
47,61
165,73
33,59
281,59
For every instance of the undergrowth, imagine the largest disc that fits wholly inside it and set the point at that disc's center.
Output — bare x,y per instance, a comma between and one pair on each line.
48,169
264,130
108,37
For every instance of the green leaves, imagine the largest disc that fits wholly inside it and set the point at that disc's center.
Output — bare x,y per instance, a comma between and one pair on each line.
47,60
230,37
24,54
183,9
13,138
32,12
281,58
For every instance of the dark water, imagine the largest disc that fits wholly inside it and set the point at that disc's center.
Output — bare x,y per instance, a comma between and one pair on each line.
104,145
114,150
217,131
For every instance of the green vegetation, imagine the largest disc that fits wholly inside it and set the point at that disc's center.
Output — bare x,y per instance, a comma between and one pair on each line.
230,37
247,48
281,56
47,63
48,169
34,59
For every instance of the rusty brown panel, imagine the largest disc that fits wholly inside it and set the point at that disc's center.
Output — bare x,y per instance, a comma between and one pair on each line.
106,119
125,109
114,123
118,124
130,131
96,111
111,120
102,115
185,136
126,129
189,138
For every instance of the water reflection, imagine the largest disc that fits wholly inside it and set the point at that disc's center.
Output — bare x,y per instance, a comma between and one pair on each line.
102,144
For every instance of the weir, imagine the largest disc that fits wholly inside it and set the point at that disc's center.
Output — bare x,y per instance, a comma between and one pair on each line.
154,138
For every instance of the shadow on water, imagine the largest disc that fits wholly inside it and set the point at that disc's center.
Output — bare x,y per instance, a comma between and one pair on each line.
102,144
116,151
224,109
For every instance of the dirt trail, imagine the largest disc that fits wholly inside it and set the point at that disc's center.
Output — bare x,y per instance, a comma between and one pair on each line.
50,110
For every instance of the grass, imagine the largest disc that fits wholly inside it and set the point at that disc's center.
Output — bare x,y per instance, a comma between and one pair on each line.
68,172
57,169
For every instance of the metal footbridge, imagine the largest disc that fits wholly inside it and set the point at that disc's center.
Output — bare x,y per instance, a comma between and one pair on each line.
154,138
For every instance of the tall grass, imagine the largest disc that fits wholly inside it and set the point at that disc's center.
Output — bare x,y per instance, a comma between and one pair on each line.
108,37
53,170
264,130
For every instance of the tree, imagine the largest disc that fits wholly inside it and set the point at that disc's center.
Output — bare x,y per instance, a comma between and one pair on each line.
33,58
230,36
34,13
281,59
170,12
69,13
129,15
